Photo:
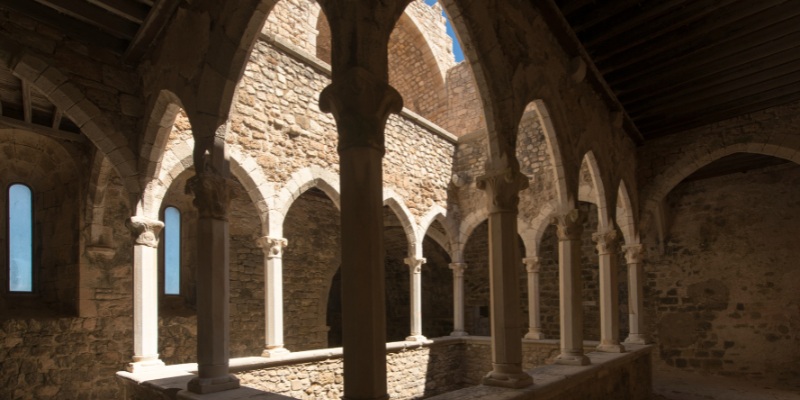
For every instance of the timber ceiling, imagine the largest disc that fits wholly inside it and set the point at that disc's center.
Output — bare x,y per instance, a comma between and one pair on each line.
679,64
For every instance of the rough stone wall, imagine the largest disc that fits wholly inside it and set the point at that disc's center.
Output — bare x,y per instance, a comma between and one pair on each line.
69,356
437,291
723,297
277,121
312,257
464,107
432,23
412,374
296,21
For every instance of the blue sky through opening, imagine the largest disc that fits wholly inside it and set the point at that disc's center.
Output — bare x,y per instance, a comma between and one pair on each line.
456,46
20,223
172,251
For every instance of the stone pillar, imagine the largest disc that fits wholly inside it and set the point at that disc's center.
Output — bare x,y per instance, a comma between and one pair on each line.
633,256
211,198
502,191
361,103
570,229
273,293
458,299
145,292
415,283
534,317
609,291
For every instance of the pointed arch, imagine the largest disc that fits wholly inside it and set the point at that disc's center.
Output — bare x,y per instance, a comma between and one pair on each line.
101,173
398,206
554,150
466,228
436,213
161,119
625,215
295,186
532,232
598,194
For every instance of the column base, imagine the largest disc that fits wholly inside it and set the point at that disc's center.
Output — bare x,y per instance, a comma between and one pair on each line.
210,385
145,365
275,352
459,333
610,348
535,335
572,359
508,376
416,338
637,338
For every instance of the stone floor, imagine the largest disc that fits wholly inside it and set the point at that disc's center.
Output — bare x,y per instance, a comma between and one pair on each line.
681,385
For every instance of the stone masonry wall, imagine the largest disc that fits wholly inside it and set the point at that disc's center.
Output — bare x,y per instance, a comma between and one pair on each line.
723,296
464,108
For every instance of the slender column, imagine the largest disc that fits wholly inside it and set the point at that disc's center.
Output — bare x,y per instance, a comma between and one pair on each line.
211,198
458,299
609,291
145,293
633,256
415,281
502,190
361,103
273,293
534,317
570,228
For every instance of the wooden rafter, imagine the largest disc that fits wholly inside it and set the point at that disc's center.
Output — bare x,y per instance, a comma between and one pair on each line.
132,11
27,112
57,115
158,17
42,130
95,16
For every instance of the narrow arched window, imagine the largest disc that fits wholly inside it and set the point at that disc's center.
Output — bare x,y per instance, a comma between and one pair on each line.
20,238
172,251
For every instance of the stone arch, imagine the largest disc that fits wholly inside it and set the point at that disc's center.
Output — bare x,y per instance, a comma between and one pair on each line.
93,123
598,193
466,228
553,150
778,146
532,232
161,119
298,184
99,234
398,206
625,215
436,213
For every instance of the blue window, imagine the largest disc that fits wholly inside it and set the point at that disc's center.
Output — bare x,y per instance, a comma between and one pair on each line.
172,251
20,238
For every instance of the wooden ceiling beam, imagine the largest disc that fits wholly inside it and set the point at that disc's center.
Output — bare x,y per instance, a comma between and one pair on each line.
707,32
27,113
132,11
574,5
626,21
590,17
42,130
776,38
657,127
738,89
57,115
67,25
774,65
92,15
156,20
664,25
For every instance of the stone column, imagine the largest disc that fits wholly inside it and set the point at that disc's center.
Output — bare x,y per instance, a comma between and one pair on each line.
145,292
273,293
633,256
609,291
534,317
502,191
211,198
361,103
458,299
415,283
570,229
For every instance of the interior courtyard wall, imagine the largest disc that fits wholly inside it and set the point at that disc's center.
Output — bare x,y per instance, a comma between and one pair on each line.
310,260
464,107
437,291
46,354
723,294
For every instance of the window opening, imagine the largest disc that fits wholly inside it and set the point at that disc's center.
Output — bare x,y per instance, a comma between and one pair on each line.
20,238
172,251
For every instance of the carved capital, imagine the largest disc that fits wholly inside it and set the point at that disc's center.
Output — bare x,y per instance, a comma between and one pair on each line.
532,264
569,224
458,269
360,103
272,246
415,264
634,253
211,194
606,241
145,230
502,189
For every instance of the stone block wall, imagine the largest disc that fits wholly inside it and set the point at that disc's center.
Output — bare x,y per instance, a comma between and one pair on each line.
723,295
464,106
